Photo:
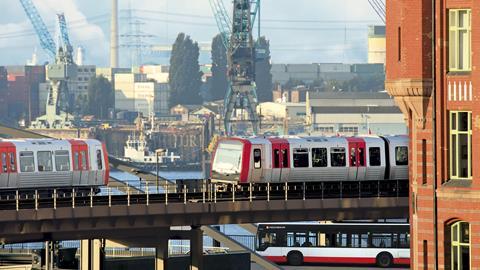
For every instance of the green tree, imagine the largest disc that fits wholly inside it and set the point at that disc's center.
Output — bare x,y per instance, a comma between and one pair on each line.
101,97
185,77
263,77
218,82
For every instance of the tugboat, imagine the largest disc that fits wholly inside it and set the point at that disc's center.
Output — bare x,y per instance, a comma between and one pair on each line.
137,151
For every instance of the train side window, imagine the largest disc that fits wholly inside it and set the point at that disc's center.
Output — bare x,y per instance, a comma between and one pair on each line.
257,158
44,159
62,161
285,158
401,155
337,157
319,157
300,158
4,162
76,166
99,160
27,162
84,160
276,158
12,162
374,154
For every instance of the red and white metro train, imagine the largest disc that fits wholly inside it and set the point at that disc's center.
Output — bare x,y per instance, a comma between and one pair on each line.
46,164
280,159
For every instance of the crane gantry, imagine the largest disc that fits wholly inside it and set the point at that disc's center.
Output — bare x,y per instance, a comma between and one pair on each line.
59,72
237,36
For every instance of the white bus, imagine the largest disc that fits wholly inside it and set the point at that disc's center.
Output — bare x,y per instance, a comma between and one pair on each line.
383,244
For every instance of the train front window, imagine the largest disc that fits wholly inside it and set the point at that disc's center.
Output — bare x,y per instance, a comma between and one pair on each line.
337,156
44,159
319,157
27,162
300,158
257,158
228,158
401,155
62,161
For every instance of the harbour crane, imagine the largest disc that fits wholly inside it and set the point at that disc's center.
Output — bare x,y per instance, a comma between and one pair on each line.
59,72
237,36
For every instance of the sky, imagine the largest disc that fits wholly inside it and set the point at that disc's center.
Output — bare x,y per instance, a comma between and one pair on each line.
300,31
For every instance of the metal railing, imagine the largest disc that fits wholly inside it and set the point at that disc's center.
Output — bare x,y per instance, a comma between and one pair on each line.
206,193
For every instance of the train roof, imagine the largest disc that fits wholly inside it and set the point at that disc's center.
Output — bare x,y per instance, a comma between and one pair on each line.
316,223
303,139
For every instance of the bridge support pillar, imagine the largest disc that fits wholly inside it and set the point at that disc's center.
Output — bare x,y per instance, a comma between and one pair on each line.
92,254
161,255
196,248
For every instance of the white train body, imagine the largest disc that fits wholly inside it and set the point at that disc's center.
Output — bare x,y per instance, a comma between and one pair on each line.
50,164
280,159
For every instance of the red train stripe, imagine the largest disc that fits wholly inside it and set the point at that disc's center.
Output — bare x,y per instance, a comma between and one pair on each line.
107,165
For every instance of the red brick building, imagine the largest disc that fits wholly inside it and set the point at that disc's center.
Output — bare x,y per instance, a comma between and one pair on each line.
432,72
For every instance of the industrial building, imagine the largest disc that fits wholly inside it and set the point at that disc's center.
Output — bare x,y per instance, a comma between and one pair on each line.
309,73
135,93
377,44
79,86
281,110
432,74
353,114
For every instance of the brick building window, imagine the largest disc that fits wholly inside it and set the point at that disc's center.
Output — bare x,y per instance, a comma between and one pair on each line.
459,41
460,252
460,145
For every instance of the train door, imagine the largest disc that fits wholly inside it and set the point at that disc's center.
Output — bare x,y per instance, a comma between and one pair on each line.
285,162
4,168
276,162
80,164
280,160
258,163
12,167
357,158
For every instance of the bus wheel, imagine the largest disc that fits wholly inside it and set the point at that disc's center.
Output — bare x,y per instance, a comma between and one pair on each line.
384,259
295,258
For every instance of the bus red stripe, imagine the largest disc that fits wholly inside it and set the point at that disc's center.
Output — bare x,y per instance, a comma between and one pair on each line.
345,260
401,261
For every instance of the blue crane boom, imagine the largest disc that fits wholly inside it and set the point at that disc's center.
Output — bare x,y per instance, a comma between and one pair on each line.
46,40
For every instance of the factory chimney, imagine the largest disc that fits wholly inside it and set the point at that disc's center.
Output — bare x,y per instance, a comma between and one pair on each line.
114,35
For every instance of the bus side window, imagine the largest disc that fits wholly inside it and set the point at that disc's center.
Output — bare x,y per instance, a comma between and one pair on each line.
257,158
